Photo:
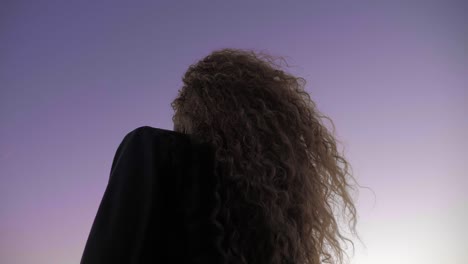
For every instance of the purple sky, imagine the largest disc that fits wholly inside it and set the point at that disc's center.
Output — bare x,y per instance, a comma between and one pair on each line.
76,76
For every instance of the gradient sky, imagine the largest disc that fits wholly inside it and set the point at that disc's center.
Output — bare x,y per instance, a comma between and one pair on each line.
76,76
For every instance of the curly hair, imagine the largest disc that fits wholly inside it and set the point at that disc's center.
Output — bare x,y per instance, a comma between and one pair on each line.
278,164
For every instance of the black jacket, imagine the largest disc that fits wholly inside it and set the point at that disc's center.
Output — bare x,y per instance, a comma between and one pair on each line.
157,204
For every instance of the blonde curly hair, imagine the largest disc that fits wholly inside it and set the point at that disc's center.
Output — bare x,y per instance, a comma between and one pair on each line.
279,165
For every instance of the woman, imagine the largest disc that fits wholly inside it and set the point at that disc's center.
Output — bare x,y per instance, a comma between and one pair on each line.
249,175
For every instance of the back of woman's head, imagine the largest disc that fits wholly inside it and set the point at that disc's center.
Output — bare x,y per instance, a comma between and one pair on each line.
280,170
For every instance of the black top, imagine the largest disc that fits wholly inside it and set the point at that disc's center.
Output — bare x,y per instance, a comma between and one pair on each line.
157,204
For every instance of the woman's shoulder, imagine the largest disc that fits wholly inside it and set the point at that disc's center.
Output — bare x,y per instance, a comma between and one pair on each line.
165,136
154,131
